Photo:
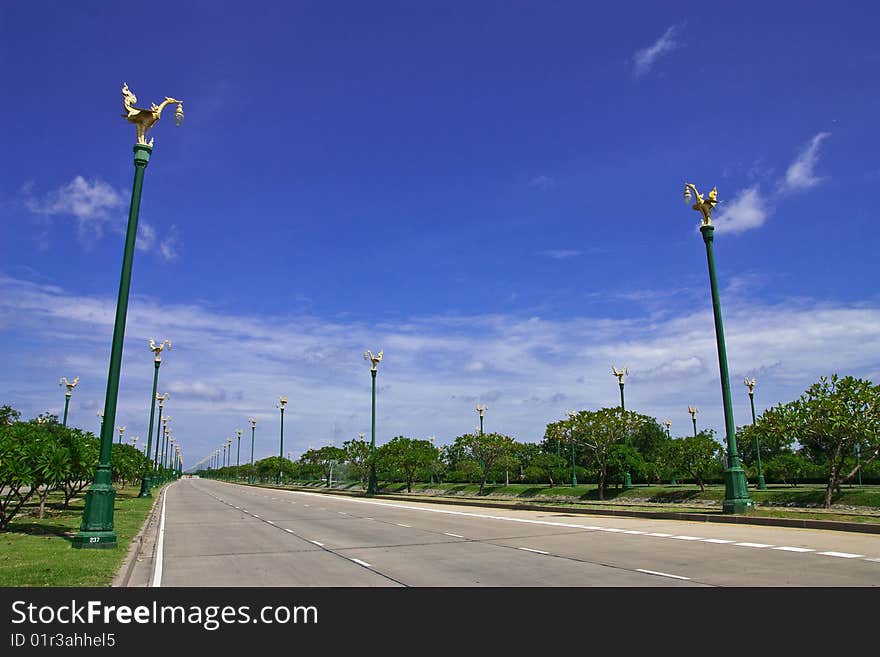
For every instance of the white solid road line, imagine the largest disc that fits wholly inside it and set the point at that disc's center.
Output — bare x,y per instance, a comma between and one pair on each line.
754,545
793,549
160,545
289,531
316,543
531,550
454,535
400,524
654,572
363,563
843,555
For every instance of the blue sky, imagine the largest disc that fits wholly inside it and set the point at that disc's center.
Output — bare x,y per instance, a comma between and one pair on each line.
490,192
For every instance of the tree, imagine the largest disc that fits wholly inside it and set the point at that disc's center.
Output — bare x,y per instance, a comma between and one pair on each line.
598,431
544,467
357,455
622,459
8,415
772,443
404,457
698,456
788,467
324,459
486,450
19,450
829,420
650,440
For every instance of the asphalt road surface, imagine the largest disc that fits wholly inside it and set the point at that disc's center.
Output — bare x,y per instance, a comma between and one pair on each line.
218,534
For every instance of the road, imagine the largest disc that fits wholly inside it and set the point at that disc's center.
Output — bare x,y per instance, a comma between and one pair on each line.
219,534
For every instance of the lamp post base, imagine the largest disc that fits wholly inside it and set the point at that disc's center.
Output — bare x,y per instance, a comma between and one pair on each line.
145,487
96,530
736,492
627,481
762,485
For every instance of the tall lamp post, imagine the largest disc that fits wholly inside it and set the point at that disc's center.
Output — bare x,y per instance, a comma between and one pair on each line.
736,494
96,529
253,422
160,464
571,416
620,373
100,414
282,402
373,484
121,431
668,424
238,454
693,411
161,399
70,385
146,481
481,408
750,384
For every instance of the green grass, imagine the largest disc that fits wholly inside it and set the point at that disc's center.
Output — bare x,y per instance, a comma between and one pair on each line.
38,553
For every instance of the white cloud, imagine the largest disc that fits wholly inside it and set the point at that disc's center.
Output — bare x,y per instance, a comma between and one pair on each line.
92,203
645,58
169,247
800,174
745,211
146,237
542,182
226,367
560,254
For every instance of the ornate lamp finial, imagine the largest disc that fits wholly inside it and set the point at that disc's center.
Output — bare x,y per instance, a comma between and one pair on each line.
619,373
145,119
481,408
282,401
375,360
157,348
703,206
70,384
253,421
750,384
693,411
668,423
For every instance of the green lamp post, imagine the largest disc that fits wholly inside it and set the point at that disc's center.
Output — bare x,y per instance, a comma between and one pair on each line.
858,451
253,422
146,480
620,373
70,385
121,431
481,408
750,384
160,466
668,424
229,442
373,484
155,478
96,529
736,496
282,402
238,454
100,415
571,416
693,411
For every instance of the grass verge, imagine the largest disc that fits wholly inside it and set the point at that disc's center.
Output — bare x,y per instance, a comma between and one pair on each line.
37,552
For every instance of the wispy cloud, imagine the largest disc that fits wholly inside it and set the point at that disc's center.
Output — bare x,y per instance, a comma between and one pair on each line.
801,174
747,210
93,204
542,182
146,236
169,248
560,254
644,59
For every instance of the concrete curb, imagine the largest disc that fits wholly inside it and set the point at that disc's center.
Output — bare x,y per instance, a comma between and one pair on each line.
801,523
123,575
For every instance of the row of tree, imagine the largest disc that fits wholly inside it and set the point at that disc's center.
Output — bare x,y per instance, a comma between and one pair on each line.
830,434
41,455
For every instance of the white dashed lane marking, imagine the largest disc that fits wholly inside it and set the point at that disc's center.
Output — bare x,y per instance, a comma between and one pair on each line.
531,550
316,543
688,538
454,535
787,548
400,524
655,572
842,555
717,540
362,563
754,545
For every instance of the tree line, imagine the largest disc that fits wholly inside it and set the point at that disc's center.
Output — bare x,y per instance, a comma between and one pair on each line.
830,434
